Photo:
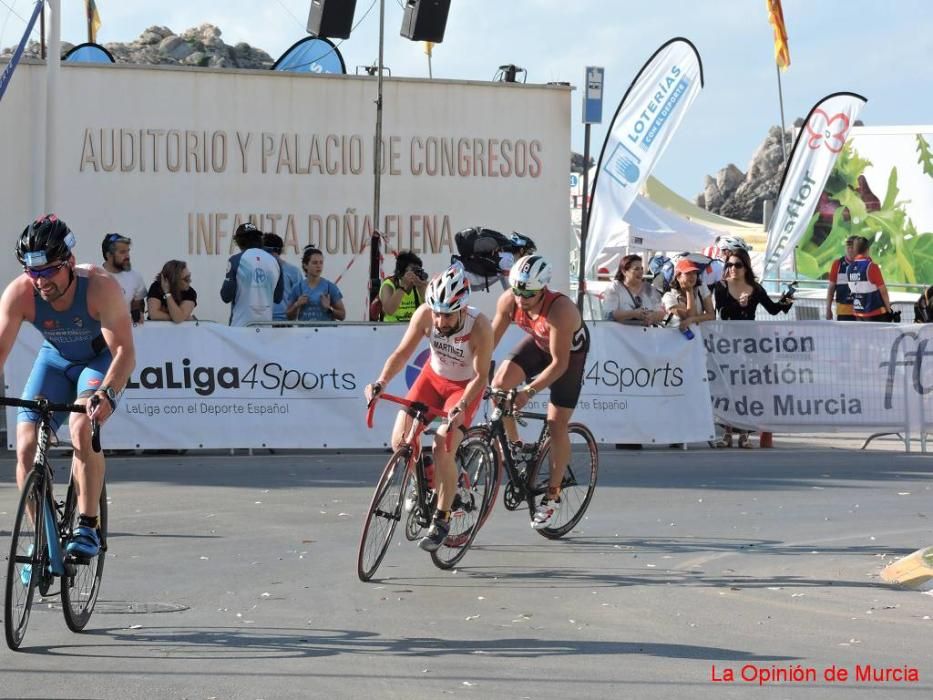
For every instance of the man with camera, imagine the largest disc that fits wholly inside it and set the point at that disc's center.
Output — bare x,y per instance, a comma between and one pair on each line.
402,293
116,251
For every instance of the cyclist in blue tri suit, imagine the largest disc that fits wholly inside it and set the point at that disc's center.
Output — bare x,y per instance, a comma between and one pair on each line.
88,350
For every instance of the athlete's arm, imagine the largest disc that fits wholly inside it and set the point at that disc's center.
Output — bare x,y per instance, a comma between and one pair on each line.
500,322
564,320
481,343
417,329
11,317
106,298
228,288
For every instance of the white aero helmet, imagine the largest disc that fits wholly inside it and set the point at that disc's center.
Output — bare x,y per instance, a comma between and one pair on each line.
530,273
449,291
732,243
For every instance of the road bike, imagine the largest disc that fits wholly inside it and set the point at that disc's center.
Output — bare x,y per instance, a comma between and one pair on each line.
41,530
405,491
529,473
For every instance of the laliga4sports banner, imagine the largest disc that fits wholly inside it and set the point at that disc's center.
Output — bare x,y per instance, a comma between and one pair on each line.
812,158
210,386
646,119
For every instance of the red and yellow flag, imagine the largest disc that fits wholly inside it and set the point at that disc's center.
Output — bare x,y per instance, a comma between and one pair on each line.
776,18
93,20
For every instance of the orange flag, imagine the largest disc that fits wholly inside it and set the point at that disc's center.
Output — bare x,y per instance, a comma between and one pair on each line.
93,20
776,18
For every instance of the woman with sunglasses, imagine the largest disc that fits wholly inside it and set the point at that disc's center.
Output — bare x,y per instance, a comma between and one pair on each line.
171,296
630,299
552,356
88,351
738,296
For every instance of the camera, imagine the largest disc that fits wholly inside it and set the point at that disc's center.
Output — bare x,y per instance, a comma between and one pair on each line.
789,291
422,275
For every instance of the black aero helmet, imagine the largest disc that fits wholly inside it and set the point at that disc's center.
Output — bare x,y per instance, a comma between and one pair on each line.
45,240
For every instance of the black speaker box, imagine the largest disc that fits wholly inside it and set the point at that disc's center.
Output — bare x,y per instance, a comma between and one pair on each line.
331,18
425,20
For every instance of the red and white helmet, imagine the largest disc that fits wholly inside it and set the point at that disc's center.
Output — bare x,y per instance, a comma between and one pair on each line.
711,251
449,291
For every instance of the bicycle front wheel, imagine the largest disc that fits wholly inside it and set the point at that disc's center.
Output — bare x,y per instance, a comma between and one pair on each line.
385,511
480,436
81,582
579,480
27,563
476,465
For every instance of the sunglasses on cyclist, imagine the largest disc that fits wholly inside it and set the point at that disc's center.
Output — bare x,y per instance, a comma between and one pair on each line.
525,293
44,272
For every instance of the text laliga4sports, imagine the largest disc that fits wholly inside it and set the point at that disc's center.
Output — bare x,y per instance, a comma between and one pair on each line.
270,376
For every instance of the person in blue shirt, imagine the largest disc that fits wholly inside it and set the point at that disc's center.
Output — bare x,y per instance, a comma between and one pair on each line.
272,243
315,298
253,283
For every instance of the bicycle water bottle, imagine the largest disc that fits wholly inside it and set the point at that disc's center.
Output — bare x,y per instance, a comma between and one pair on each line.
428,469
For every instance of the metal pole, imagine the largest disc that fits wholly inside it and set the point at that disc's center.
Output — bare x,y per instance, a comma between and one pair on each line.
781,103
430,72
52,69
42,32
374,280
584,218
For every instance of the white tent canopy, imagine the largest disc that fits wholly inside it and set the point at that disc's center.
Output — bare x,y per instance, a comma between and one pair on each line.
650,227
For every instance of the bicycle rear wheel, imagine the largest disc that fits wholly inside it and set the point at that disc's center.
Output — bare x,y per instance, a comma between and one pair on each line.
81,582
385,511
476,465
28,560
579,480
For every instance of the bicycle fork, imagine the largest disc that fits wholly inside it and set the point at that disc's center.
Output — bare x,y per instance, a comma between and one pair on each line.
53,537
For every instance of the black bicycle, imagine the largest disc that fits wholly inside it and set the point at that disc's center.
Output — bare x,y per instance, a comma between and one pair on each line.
42,528
528,477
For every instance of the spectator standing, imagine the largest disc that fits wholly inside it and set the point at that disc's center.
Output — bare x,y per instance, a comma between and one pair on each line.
738,296
272,243
403,292
171,296
253,284
630,299
838,289
870,300
688,301
116,251
315,298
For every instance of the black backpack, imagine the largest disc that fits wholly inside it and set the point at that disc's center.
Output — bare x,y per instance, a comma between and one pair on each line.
478,250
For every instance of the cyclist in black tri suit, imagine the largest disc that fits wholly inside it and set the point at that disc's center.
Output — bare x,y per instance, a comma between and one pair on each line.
88,350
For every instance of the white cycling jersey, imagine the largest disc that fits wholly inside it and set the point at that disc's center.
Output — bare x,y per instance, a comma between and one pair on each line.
452,356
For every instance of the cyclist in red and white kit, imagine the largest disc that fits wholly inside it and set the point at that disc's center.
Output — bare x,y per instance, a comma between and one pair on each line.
460,339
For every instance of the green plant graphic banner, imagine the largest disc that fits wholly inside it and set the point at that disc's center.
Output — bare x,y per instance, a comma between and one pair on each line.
881,187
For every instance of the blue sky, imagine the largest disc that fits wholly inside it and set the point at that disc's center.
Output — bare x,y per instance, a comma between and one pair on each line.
879,48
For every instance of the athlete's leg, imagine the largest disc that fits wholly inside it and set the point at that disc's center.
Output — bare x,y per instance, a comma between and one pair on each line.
445,459
558,419
508,376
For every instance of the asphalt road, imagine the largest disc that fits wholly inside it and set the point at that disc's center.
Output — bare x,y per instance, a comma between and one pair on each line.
234,577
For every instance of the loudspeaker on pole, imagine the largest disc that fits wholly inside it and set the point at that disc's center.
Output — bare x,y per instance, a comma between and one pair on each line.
331,18
425,20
